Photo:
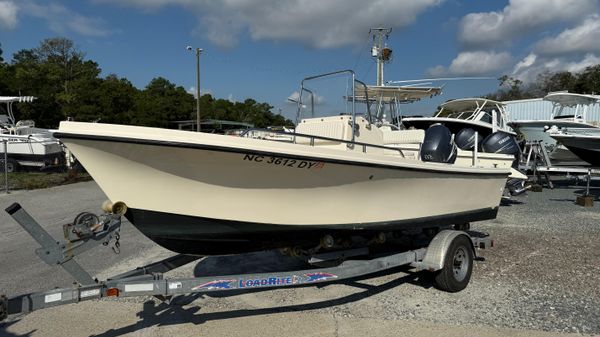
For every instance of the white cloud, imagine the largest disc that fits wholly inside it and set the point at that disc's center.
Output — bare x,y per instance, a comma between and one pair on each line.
8,14
580,39
192,91
437,71
319,24
473,63
529,68
293,98
519,18
61,19
527,62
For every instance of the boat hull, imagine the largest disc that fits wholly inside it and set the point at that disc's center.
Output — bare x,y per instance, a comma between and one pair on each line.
536,131
206,236
187,195
586,148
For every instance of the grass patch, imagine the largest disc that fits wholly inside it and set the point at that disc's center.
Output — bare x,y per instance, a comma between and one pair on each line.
36,180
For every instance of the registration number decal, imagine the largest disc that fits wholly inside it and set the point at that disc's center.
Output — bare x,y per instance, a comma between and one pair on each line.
286,162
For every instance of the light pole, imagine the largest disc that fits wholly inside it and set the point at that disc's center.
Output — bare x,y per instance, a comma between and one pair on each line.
198,51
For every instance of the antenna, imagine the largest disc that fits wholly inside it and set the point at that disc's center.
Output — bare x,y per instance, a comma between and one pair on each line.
443,79
380,50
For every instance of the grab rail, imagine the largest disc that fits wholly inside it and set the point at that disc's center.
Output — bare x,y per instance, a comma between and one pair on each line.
312,138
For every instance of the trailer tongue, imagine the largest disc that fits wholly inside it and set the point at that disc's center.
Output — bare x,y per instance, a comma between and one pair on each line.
449,254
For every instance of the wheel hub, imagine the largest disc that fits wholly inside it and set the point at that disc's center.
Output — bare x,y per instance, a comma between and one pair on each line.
460,264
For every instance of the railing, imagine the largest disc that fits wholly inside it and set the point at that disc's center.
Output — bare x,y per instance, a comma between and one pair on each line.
5,148
335,73
312,138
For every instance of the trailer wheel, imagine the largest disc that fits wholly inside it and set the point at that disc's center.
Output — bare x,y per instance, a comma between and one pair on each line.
11,165
458,265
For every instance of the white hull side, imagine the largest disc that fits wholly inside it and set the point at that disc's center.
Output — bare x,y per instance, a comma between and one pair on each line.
24,145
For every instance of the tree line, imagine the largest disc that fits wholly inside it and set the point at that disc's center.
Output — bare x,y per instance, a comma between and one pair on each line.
585,82
68,85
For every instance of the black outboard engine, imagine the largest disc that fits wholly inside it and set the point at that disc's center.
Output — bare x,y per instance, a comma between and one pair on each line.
502,142
438,145
465,139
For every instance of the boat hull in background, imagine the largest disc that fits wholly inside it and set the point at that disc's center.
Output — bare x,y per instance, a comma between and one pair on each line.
536,131
587,148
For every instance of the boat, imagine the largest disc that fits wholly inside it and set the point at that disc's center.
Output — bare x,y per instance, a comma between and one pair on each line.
26,145
209,194
485,116
583,142
569,110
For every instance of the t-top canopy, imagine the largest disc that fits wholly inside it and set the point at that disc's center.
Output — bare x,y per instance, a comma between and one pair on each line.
400,94
571,99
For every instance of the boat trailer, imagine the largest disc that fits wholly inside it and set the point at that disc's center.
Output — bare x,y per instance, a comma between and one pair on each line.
449,255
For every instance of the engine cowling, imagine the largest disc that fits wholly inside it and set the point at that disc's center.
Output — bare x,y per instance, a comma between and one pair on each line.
438,145
465,139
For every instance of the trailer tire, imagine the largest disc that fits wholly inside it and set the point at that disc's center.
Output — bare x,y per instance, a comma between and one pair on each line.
458,266
11,165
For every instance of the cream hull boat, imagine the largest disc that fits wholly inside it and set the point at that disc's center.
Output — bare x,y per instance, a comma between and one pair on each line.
201,193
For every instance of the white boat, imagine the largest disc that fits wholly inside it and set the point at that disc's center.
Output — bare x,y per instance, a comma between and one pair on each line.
198,193
26,145
577,106
480,114
583,142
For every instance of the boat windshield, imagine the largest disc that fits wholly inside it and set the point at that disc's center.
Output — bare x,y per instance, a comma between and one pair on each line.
456,115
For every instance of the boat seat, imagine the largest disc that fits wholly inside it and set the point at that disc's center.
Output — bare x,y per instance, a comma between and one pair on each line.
403,137
409,141
335,128
340,127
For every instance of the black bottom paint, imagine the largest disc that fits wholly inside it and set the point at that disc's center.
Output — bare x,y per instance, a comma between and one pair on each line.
205,236
590,156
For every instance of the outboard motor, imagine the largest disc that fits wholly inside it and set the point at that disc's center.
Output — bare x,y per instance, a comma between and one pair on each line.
438,145
501,142
465,139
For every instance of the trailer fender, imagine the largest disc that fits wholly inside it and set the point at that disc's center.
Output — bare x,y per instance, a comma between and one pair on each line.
437,250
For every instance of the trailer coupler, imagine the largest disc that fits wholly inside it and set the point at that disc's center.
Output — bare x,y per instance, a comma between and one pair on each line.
86,232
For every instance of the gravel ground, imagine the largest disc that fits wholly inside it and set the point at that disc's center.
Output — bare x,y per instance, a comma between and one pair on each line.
541,279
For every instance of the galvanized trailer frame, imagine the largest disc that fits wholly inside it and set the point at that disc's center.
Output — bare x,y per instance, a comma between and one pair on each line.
149,280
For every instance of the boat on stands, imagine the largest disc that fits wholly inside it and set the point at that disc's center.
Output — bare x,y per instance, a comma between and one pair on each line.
26,145
583,142
569,110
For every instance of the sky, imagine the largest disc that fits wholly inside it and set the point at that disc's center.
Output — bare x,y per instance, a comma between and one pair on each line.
262,49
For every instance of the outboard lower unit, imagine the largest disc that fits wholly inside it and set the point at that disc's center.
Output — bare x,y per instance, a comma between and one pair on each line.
438,145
